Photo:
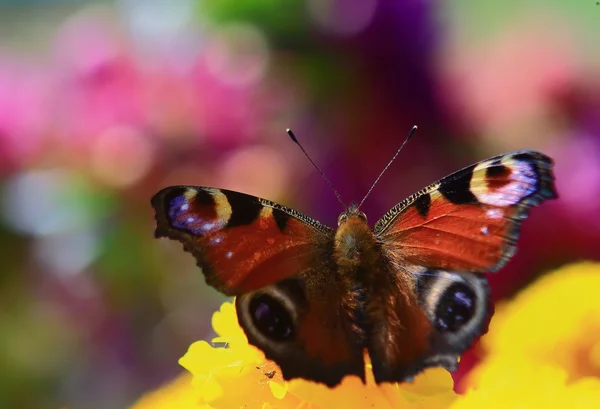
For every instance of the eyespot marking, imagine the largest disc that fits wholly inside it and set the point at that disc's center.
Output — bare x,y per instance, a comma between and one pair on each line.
497,175
504,182
271,318
197,211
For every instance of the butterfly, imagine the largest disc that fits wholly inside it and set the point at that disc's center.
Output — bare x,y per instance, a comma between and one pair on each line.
409,291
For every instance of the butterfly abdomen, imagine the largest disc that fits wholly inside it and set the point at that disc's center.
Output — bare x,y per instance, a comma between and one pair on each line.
356,254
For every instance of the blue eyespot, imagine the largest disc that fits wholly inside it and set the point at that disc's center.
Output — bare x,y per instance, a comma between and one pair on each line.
455,308
271,318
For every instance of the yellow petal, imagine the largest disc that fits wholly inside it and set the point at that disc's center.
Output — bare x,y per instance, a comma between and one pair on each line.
556,320
278,390
246,379
210,390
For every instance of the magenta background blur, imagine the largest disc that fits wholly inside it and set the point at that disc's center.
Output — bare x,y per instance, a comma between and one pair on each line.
104,103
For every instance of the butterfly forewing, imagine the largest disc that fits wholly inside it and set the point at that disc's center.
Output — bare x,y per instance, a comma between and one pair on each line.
241,242
468,221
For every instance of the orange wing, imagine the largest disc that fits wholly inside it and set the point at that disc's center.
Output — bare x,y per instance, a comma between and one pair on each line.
468,221
278,263
241,242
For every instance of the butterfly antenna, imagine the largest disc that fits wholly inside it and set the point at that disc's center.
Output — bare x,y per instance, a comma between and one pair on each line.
410,134
335,192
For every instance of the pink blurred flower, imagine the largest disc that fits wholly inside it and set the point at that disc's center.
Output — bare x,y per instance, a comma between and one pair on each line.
23,112
226,114
578,178
232,104
511,79
99,82
221,98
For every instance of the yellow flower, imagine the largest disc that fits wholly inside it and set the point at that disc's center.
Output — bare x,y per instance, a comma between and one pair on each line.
543,351
240,376
543,347
177,394
556,321
513,383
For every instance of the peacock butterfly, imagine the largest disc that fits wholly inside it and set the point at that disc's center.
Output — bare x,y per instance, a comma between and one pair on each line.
408,291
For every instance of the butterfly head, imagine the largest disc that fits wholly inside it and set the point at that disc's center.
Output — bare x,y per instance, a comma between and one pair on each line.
352,214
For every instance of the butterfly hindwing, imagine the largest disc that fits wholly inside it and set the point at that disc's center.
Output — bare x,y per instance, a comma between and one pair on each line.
429,318
468,221
301,323
241,242
400,331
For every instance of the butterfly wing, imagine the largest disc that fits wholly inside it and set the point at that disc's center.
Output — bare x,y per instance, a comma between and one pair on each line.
468,221
278,262
302,324
424,317
433,305
240,242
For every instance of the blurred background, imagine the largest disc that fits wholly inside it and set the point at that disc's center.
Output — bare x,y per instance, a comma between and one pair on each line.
102,103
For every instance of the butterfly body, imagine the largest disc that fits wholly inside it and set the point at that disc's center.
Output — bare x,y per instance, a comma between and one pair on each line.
408,291
355,244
